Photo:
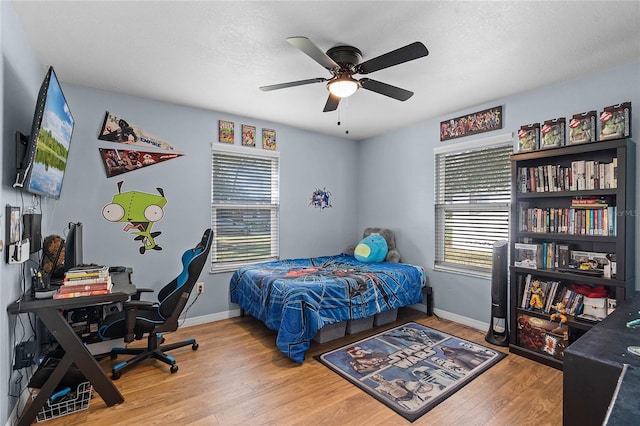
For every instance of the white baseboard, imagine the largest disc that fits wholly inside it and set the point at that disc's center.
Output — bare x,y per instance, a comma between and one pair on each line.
462,320
211,318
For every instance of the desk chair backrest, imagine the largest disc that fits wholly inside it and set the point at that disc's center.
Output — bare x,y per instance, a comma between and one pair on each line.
173,297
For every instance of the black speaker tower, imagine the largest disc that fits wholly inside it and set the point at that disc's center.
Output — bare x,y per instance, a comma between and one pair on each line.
498,333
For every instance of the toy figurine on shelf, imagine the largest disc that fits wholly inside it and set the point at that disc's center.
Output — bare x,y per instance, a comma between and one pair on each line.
537,296
559,314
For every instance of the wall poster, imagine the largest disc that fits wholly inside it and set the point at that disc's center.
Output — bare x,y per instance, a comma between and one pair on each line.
471,124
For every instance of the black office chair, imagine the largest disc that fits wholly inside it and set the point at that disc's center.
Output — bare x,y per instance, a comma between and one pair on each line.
140,317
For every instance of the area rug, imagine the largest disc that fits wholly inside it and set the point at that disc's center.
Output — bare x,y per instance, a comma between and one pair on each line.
411,368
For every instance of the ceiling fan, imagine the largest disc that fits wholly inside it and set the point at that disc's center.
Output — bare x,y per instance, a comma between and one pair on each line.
344,62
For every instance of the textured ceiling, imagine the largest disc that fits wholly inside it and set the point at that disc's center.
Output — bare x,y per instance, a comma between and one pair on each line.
215,54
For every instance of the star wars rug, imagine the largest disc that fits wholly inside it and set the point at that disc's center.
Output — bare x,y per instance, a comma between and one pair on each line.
411,368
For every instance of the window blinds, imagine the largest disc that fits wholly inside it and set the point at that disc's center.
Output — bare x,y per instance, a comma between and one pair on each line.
245,202
473,190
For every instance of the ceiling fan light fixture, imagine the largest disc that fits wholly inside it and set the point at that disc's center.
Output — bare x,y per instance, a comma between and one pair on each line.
343,87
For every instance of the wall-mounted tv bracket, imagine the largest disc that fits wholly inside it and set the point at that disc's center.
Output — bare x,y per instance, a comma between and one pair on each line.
22,141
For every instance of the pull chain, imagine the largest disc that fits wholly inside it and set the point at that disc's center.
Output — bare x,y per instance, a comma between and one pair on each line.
345,113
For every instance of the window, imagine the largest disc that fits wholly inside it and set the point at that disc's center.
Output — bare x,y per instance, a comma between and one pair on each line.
472,194
245,204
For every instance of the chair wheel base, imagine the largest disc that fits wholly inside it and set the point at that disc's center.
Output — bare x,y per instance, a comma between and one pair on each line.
174,368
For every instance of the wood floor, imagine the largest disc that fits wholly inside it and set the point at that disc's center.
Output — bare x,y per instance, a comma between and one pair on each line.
238,377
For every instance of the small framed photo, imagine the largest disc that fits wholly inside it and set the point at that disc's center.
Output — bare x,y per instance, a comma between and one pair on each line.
225,131
269,139
13,213
248,135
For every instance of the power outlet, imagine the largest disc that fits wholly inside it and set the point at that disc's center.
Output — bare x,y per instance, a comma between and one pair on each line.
199,288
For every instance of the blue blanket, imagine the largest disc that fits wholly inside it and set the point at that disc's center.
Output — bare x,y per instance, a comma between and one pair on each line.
297,297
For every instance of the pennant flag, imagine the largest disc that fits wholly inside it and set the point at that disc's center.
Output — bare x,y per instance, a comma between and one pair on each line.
116,129
119,161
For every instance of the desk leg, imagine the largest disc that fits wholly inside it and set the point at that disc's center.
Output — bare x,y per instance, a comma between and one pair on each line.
80,356
45,392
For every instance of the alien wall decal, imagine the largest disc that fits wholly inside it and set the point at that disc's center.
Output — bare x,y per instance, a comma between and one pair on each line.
140,211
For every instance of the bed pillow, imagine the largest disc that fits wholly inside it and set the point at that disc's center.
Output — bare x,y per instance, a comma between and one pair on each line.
371,249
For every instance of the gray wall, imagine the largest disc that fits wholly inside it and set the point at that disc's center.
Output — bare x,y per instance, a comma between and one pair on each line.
397,176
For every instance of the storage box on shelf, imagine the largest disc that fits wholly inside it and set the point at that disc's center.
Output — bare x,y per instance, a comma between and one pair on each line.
573,227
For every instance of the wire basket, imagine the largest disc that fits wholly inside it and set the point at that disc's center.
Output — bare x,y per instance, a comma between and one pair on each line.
71,403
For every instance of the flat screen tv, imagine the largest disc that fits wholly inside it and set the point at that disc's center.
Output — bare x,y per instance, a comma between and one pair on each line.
42,156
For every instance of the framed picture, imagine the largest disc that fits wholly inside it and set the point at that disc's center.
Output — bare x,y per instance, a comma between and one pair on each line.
13,224
269,139
248,135
471,124
225,131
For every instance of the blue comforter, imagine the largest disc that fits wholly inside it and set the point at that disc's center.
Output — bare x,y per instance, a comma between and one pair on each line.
297,297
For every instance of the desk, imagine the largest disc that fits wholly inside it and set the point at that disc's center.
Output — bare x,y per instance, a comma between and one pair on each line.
624,406
593,363
50,313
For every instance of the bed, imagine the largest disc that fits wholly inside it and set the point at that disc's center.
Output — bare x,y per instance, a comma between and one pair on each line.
297,297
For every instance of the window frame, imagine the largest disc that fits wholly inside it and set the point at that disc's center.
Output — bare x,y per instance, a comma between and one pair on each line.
273,206
441,208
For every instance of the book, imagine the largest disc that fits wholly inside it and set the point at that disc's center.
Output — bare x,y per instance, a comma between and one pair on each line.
83,281
87,271
65,288
589,202
526,292
60,295
564,255
551,295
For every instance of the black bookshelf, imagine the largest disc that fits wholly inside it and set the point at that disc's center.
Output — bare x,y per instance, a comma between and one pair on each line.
528,192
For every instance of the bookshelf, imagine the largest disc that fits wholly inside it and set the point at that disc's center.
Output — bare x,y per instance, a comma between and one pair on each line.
572,217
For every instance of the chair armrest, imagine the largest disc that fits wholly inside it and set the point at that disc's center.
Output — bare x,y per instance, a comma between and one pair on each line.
139,292
137,304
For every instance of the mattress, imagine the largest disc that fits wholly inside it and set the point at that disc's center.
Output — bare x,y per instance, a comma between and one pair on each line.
297,297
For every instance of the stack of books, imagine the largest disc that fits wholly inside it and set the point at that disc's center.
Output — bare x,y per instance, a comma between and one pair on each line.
90,280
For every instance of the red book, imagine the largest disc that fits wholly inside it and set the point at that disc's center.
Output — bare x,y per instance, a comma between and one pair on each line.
59,295
66,288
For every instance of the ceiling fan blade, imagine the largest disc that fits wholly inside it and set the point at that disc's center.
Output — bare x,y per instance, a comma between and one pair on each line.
395,57
313,51
292,84
332,103
385,89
